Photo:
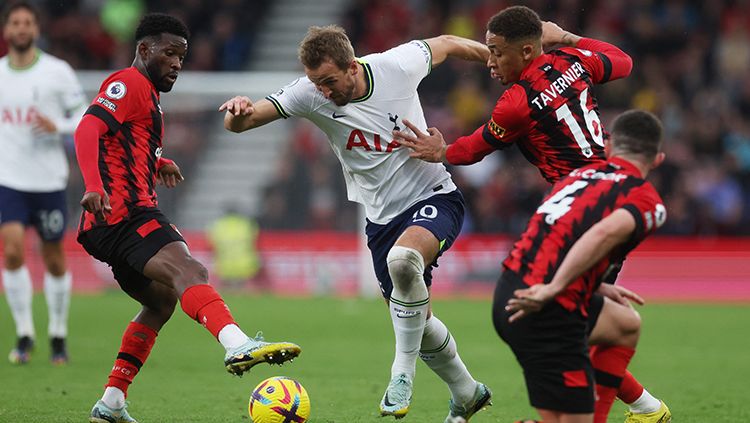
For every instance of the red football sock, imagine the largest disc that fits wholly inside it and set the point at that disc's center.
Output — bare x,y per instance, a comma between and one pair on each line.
610,364
630,389
137,342
204,305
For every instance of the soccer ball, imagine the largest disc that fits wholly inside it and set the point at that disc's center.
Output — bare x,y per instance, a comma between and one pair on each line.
279,399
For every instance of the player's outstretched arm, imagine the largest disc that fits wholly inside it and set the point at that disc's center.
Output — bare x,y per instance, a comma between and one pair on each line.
620,63
95,200
445,46
242,114
593,246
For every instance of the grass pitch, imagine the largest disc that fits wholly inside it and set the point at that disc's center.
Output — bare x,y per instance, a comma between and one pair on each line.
694,356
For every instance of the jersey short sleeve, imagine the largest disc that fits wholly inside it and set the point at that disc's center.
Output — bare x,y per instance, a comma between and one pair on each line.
120,96
298,98
647,207
72,95
414,58
510,119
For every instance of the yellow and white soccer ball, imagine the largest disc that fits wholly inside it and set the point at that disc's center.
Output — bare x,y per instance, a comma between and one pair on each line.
279,399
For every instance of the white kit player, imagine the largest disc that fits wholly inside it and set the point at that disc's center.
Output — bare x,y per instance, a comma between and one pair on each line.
414,211
40,98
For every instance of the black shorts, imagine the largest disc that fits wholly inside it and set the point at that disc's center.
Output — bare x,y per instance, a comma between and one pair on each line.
594,310
128,245
551,347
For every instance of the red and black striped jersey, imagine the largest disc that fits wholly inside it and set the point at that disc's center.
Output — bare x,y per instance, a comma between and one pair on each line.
128,153
550,113
574,205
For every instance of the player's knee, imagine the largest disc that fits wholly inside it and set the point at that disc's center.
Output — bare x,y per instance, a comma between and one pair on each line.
630,323
56,267
404,266
188,273
13,256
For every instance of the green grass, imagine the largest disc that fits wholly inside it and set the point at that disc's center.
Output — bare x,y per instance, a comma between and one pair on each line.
694,356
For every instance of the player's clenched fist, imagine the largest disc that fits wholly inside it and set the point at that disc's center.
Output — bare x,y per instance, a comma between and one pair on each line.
238,106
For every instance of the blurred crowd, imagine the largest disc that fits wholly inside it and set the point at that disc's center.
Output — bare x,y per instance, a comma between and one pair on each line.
691,62
98,34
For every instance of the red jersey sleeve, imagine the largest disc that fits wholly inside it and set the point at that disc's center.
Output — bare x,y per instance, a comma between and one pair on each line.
120,96
647,207
604,61
509,122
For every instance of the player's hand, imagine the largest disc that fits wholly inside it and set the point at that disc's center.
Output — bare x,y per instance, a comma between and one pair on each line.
96,203
619,294
169,175
429,147
552,34
238,106
43,125
529,300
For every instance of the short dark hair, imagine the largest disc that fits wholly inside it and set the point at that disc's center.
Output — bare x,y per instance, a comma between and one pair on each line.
516,23
326,43
637,132
155,24
15,5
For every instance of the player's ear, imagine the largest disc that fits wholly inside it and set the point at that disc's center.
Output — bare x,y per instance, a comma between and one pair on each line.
527,51
658,160
353,67
143,50
607,146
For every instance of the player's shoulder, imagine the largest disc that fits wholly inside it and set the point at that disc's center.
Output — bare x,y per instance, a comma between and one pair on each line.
50,61
300,87
572,52
512,98
410,50
123,81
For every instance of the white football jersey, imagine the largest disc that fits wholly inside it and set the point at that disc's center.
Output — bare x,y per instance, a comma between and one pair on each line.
37,162
378,174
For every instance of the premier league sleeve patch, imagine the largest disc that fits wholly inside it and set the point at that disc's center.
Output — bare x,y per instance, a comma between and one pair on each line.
116,90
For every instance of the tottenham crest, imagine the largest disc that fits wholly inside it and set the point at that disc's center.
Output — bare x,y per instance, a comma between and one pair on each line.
116,90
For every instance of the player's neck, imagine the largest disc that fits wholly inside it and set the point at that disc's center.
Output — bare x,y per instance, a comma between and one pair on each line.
635,161
23,59
360,85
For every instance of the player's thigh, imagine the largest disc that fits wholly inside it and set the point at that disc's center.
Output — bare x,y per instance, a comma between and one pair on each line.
14,216
550,346
617,324
430,226
12,235
422,240
173,265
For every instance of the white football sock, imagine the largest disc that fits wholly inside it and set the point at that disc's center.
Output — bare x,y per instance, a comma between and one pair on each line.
439,352
113,397
57,292
646,403
231,337
409,304
18,292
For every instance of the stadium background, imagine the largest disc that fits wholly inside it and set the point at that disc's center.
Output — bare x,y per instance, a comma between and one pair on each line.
691,60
